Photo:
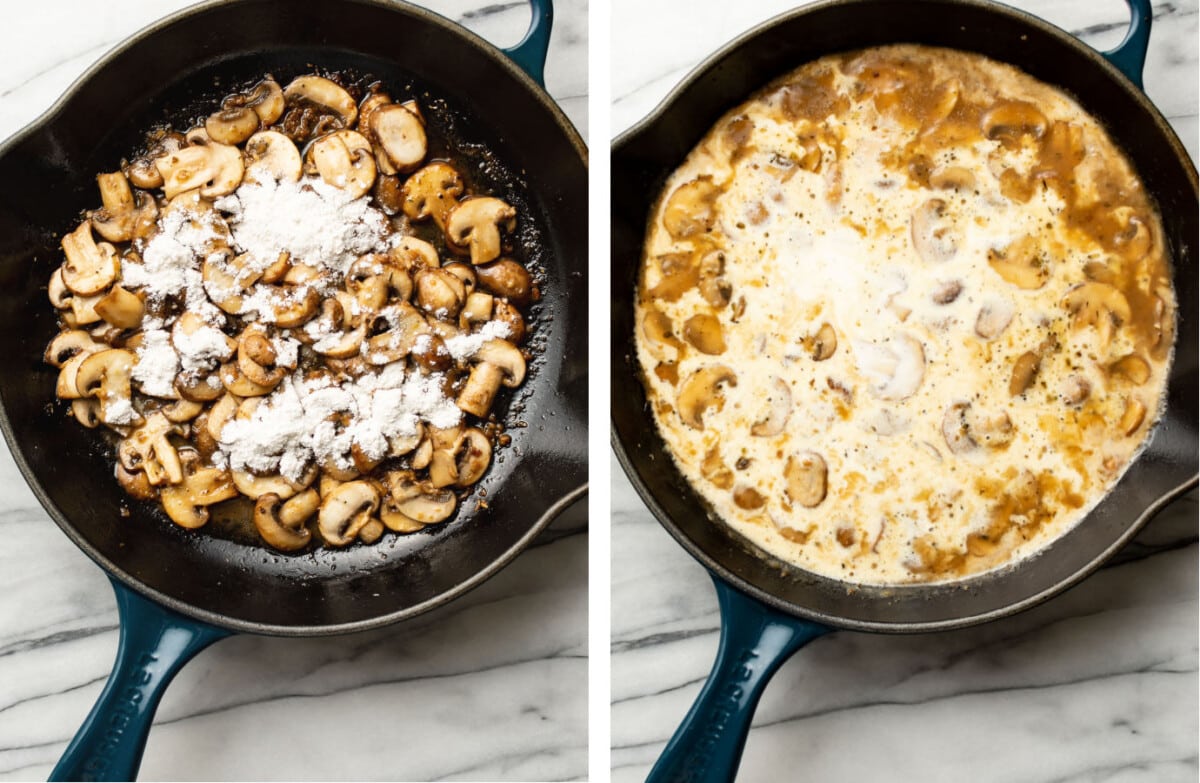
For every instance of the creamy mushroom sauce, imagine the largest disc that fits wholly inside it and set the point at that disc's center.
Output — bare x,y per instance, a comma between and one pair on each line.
296,304
904,315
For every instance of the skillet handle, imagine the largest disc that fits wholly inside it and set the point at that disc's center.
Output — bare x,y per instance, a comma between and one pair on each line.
755,641
1129,56
155,643
530,53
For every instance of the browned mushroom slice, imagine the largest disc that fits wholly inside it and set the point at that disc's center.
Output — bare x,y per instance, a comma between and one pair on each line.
702,390
125,215
714,469
256,358
1132,368
1097,305
1075,389
282,524
215,169
325,93
952,178
439,292
272,156
120,308
254,487
496,363
946,292
1024,370
824,343
345,511
508,279
1008,121
232,125
966,428
994,317
1023,263
57,292
107,375
703,331
712,284
934,234
779,409
476,225
1133,416
142,172
344,160
691,208
69,343
90,267
187,502
431,192
401,135
149,449
807,478
236,382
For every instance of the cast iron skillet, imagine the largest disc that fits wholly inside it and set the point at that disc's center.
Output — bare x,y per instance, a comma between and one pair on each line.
769,609
179,591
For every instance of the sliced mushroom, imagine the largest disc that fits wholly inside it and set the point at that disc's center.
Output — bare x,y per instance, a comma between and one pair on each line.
57,291
431,192
439,292
254,487
86,412
496,362
1132,368
1075,389
70,343
702,390
142,171
1097,305
967,428
90,267
895,368
232,125
427,506
323,92
123,309
1023,263
135,483
215,168
272,156
106,375
703,331
149,449
401,134
236,382
779,409
691,208
1133,416
473,455
994,317
1024,370
823,343
712,284
256,358
1010,120
187,502
341,345
476,224
934,234
952,178
125,215
713,469
807,478
345,511
344,160
946,292
477,309
508,279
283,528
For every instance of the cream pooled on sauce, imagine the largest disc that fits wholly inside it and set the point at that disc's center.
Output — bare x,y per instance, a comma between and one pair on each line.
905,315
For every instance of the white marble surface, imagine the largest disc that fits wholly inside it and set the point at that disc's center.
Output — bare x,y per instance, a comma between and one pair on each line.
491,687
1099,684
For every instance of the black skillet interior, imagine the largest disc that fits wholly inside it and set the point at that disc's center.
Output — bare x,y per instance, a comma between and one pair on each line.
518,144
647,154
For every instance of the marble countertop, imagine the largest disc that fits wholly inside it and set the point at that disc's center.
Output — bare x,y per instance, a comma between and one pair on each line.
489,687
1097,684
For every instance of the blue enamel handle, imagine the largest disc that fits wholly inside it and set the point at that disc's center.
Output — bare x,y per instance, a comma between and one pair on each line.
1129,56
530,53
155,643
755,641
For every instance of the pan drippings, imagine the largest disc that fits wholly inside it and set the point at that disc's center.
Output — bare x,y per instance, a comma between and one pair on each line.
905,315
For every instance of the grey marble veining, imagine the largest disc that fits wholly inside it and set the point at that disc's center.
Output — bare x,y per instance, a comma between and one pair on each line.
1099,684
490,687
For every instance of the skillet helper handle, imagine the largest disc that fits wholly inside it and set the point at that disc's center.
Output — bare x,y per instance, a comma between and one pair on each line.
155,643
1129,56
755,641
530,53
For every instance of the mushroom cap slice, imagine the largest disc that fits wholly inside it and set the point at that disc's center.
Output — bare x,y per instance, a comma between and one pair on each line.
895,368
807,479
1010,120
69,343
401,134
506,356
418,500
994,317
323,92
90,267
779,409
700,391
125,215
232,125
431,192
934,235
439,292
507,278
690,209
473,454
1097,304
344,160
187,501
107,375
271,155
476,224
285,535
345,511
253,486
215,168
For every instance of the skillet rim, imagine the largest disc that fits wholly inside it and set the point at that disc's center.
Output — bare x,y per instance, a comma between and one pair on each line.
195,613
716,565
